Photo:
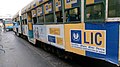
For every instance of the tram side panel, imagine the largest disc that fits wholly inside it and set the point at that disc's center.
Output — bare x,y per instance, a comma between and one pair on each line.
119,42
40,33
55,35
19,29
25,30
98,41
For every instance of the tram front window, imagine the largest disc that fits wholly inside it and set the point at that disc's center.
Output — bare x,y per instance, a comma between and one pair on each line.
113,8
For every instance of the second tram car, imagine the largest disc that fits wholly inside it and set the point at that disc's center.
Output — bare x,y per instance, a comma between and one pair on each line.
8,24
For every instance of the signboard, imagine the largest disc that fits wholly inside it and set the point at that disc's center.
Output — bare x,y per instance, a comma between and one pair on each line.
34,13
54,31
42,1
48,8
58,5
25,30
34,4
52,39
40,33
92,1
40,11
99,41
55,35
71,3
89,40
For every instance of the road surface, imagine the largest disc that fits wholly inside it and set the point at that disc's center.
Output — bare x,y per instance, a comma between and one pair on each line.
20,53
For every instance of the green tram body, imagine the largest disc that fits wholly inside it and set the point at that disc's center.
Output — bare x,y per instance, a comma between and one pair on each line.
85,27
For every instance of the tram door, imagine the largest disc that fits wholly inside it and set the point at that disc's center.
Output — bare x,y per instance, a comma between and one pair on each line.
30,25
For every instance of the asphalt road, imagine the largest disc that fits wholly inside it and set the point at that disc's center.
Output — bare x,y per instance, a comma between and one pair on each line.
20,53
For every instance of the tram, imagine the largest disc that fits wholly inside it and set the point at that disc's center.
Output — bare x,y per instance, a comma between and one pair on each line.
17,28
85,27
8,25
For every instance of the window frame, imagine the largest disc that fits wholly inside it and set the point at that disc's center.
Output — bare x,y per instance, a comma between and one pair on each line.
79,5
41,14
34,15
61,16
96,20
108,19
79,12
38,20
49,22
45,14
60,10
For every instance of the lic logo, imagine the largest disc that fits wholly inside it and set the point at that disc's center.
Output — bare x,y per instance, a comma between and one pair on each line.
76,36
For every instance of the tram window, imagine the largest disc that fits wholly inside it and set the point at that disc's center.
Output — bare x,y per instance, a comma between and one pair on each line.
94,12
113,8
59,16
41,19
34,20
49,18
72,15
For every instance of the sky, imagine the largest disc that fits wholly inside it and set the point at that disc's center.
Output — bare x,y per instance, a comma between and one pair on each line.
11,7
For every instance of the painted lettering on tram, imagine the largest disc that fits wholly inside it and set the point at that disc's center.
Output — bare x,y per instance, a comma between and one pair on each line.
89,40
94,38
